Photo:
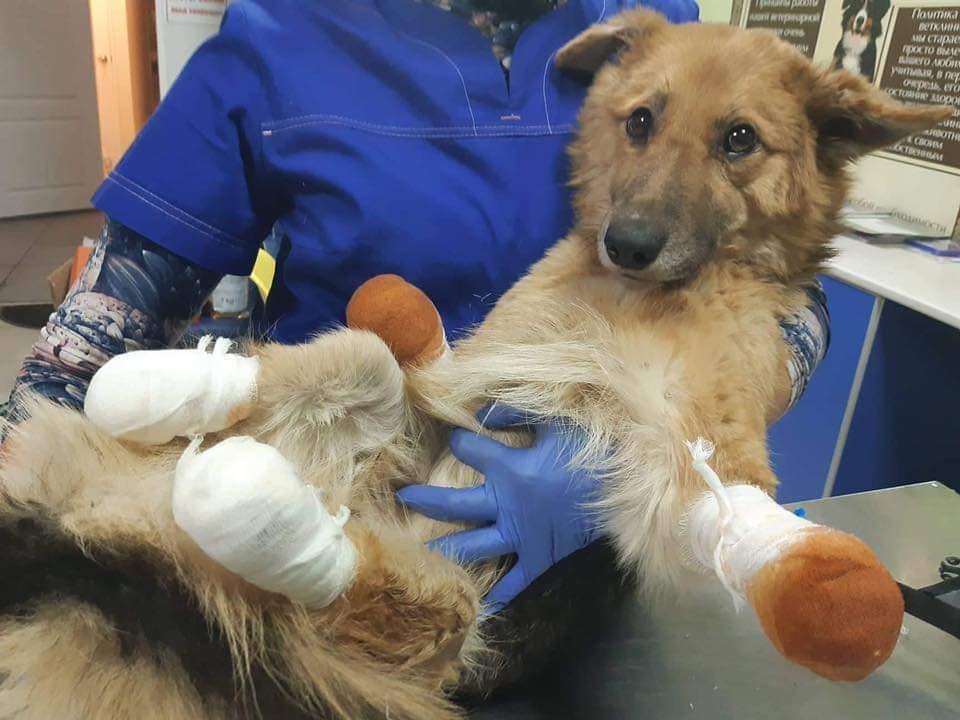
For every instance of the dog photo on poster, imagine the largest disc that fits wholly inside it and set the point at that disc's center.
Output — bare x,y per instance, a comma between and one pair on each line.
863,24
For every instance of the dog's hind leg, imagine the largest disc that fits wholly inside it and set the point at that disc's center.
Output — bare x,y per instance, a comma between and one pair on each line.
344,378
341,395
245,506
408,606
105,619
66,662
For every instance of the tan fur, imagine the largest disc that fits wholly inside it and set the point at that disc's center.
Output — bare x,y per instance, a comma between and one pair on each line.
77,649
640,362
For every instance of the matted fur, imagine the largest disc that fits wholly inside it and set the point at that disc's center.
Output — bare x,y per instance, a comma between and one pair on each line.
641,362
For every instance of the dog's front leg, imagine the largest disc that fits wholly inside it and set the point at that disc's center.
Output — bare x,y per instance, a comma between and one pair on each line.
822,596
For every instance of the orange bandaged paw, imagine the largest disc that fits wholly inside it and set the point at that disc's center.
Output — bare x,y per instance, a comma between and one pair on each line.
401,315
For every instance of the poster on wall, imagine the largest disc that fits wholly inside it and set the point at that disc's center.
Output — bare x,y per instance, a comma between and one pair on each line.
910,49
207,12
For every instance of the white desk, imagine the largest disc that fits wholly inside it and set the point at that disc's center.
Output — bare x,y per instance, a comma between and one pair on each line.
902,274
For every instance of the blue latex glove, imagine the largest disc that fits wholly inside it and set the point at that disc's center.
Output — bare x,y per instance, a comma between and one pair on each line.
530,504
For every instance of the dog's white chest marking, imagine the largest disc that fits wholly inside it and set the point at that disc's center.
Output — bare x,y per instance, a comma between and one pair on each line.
854,46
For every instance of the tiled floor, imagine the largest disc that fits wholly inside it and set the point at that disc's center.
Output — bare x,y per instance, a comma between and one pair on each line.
30,247
14,344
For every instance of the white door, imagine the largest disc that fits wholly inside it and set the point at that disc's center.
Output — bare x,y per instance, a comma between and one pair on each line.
49,140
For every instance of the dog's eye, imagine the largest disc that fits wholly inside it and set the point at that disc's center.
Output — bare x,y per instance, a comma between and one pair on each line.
640,124
740,140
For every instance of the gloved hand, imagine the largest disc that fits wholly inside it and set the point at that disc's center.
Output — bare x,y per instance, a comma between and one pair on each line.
531,504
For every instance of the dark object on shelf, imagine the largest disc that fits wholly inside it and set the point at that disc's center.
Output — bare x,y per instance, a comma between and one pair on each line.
33,316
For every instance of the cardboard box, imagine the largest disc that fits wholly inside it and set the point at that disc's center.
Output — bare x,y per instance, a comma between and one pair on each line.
59,282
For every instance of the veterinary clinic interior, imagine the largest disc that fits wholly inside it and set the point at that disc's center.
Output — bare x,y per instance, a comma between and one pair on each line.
488,359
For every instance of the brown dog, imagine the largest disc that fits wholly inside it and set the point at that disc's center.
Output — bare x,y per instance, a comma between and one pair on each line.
709,170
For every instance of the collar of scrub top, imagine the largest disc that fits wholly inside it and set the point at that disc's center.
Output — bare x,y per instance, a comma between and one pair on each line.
529,99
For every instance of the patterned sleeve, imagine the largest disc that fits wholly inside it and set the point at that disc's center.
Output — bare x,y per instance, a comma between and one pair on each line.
808,336
131,295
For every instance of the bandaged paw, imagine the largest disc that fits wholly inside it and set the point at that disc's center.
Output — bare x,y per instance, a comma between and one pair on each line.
153,396
736,545
243,504
823,598
736,530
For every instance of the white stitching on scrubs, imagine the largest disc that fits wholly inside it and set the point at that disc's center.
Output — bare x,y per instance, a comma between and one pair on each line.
413,132
463,82
546,67
300,120
225,240
543,87
209,229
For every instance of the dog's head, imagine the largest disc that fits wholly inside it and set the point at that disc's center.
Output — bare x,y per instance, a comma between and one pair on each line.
699,141
865,17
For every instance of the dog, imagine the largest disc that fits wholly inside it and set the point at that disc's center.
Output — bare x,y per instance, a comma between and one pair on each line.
705,197
862,27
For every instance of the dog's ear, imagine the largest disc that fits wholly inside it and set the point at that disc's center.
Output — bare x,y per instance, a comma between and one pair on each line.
852,117
589,50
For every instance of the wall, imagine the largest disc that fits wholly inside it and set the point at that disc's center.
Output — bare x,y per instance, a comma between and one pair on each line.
182,25
715,10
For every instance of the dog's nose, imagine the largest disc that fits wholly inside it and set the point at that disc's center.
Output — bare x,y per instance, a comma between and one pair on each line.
633,245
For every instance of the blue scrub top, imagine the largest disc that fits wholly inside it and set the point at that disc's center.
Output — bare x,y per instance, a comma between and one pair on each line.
383,137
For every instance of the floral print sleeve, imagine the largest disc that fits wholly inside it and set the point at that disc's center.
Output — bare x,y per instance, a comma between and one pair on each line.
132,295
807,335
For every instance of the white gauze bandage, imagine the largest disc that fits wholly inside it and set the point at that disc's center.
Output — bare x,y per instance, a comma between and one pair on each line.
242,502
735,530
153,396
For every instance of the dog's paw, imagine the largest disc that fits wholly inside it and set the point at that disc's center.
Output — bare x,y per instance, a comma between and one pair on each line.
153,396
828,604
414,610
402,316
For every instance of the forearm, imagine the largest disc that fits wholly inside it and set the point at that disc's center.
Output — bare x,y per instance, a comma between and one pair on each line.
807,335
132,295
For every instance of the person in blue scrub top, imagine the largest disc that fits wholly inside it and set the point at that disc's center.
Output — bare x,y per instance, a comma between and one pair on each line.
424,139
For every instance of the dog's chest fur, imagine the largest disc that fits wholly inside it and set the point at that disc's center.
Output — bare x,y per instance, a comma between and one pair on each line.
659,366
